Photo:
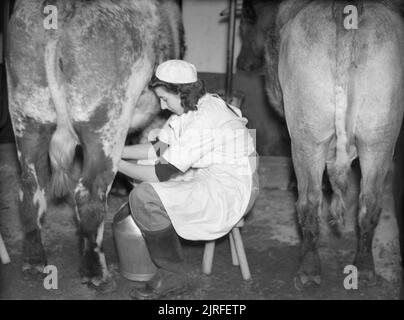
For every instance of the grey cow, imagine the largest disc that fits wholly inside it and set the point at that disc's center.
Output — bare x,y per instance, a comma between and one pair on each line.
83,84
341,92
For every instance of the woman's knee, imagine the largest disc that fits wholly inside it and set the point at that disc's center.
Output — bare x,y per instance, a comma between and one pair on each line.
142,193
146,207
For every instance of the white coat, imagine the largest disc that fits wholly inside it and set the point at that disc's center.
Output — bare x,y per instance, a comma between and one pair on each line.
216,154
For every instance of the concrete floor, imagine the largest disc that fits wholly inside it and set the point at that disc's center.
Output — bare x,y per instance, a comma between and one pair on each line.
270,238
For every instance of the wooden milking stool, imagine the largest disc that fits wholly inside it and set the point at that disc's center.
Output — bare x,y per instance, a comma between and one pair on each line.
238,255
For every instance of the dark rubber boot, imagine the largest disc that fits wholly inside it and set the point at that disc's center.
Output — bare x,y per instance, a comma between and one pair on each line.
164,248
164,283
166,252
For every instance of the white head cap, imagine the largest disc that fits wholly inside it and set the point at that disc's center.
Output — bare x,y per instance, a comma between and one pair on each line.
177,71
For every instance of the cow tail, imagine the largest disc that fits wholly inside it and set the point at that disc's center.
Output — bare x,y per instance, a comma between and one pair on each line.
64,139
345,55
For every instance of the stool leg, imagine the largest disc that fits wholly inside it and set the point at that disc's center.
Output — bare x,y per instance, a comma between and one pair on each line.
234,258
208,257
245,270
3,252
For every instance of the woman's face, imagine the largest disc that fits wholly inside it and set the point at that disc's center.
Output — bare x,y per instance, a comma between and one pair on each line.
169,100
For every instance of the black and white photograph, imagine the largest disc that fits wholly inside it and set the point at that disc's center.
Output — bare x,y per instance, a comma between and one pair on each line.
220,152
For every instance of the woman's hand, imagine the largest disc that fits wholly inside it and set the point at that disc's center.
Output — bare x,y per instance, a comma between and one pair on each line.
139,152
146,173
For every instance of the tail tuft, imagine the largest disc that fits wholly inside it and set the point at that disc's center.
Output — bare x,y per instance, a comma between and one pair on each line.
61,153
338,174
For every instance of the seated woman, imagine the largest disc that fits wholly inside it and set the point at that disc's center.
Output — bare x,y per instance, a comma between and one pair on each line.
203,181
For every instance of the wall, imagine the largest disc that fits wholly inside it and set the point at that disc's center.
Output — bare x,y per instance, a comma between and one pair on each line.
206,34
206,39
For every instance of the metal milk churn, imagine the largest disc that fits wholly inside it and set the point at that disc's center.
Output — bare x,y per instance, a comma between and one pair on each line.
134,258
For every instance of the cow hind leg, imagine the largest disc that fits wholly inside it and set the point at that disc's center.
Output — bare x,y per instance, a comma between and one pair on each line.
374,171
309,173
90,196
380,113
32,147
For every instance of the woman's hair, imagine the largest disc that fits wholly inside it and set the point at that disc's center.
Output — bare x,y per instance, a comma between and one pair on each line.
189,93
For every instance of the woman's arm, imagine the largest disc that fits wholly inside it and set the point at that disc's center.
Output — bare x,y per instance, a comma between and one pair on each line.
139,152
138,172
144,151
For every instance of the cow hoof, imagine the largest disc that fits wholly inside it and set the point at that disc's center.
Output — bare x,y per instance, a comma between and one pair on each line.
33,271
102,286
105,286
305,282
368,277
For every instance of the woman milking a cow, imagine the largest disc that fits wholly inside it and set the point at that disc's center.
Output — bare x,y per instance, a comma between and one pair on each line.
202,181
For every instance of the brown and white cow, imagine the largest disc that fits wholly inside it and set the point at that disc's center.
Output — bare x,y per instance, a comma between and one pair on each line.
341,92
81,86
